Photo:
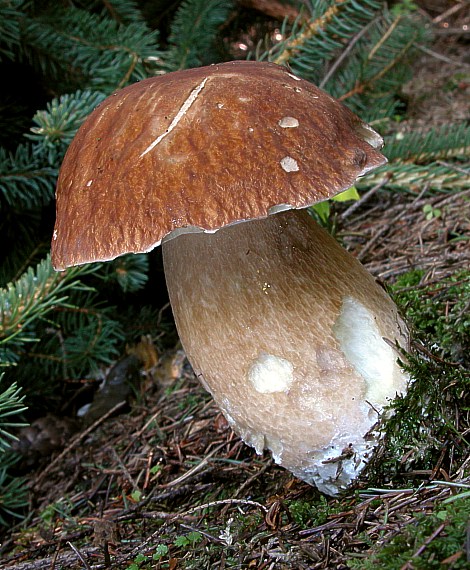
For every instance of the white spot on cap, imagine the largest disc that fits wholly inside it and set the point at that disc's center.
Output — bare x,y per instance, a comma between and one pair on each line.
89,183
220,105
54,235
269,373
368,134
288,123
289,164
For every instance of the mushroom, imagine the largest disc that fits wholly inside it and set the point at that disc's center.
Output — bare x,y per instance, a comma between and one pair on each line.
282,326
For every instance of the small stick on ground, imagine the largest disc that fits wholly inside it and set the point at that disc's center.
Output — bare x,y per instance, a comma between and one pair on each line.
79,554
362,199
423,547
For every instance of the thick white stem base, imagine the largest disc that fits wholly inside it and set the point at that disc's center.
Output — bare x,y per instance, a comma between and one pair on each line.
285,329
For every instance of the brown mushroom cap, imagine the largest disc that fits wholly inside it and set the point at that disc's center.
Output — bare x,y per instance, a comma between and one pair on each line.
201,149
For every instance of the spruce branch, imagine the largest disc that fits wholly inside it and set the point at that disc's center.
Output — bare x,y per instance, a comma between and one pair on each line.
332,24
193,33
367,83
342,57
35,294
369,79
55,127
122,11
293,46
410,177
79,339
129,271
13,493
25,181
89,49
444,142
11,404
10,36
356,50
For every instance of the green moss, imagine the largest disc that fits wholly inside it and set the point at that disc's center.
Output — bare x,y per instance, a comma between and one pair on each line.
311,512
428,426
438,311
425,543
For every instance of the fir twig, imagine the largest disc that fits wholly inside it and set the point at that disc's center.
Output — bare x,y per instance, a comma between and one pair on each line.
34,295
362,85
293,46
11,404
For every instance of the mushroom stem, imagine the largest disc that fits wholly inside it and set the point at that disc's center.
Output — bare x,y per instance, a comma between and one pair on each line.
285,329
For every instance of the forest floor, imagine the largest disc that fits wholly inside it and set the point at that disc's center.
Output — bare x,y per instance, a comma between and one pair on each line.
163,482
